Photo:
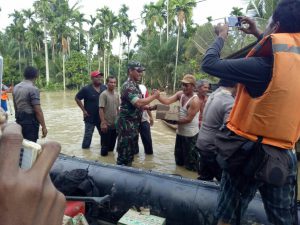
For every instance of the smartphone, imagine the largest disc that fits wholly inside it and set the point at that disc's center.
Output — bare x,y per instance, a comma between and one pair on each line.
234,21
29,153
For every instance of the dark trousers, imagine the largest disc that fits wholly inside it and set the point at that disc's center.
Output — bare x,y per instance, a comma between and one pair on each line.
30,131
209,167
185,152
30,125
88,134
108,141
145,133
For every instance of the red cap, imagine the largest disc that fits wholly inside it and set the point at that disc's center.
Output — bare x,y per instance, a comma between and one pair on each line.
96,73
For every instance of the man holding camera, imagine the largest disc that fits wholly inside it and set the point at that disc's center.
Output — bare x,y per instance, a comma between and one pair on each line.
256,148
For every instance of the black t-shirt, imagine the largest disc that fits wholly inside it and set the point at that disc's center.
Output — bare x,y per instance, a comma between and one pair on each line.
91,102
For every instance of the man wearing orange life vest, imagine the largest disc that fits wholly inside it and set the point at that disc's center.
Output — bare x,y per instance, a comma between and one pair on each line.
256,147
4,96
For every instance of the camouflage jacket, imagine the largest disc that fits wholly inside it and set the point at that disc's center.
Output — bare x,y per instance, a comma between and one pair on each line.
130,93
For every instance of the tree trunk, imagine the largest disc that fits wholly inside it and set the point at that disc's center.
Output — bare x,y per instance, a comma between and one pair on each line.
167,20
53,50
20,69
79,42
160,36
46,55
31,50
108,65
64,71
177,47
104,64
119,67
128,51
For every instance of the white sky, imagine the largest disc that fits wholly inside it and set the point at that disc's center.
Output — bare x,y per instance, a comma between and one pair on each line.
214,8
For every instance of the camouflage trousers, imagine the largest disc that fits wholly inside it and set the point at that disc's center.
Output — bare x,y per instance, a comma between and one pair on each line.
128,136
185,152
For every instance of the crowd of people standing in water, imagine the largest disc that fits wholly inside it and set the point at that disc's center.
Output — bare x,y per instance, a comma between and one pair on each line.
247,142
125,120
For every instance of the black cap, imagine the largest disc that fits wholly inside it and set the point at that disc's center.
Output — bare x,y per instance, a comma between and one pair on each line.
135,65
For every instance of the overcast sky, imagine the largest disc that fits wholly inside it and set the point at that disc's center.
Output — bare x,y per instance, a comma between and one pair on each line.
214,8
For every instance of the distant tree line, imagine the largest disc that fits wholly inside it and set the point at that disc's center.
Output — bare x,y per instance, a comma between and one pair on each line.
51,36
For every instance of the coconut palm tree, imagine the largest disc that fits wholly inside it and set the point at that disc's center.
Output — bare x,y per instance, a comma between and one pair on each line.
122,24
43,11
154,16
17,30
29,35
108,23
262,10
184,10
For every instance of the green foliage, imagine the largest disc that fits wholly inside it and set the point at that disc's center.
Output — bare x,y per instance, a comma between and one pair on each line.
22,42
76,70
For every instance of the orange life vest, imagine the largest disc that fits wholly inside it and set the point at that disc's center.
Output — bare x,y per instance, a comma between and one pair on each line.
275,115
4,96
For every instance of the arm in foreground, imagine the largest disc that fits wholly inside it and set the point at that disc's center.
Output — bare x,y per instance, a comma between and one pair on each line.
30,193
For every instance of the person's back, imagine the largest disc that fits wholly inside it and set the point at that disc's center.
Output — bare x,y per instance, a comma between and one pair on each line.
27,105
25,96
216,111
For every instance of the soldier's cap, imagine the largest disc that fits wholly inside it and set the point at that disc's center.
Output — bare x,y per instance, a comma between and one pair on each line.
135,65
189,79
96,73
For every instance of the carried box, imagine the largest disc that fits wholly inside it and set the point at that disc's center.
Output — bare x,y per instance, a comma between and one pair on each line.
167,112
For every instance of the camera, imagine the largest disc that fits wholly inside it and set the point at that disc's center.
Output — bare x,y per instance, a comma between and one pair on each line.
234,21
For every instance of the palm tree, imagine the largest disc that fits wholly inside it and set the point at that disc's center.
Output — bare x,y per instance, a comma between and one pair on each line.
154,16
123,22
42,9
236,11
30,36
17,30
184,14
78,18
261,9
108,22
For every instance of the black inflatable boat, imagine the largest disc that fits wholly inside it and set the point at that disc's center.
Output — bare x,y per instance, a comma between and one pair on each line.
181,201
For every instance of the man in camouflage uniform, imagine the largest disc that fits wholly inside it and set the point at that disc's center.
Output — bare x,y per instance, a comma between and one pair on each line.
132,106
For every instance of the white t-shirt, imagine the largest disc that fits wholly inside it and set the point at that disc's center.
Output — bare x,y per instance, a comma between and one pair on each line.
145,94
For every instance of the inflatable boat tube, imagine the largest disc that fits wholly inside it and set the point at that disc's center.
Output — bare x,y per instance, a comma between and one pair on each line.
181,201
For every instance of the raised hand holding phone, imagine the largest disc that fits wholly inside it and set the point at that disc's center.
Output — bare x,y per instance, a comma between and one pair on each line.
28,192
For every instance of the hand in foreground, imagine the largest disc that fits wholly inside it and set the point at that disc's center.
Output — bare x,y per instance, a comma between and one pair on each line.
222,30
156,93
249,26
27,197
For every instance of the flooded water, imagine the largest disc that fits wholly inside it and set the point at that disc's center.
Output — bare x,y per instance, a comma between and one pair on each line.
64,122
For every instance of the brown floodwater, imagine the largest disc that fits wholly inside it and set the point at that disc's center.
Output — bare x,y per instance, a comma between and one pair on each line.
64,122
